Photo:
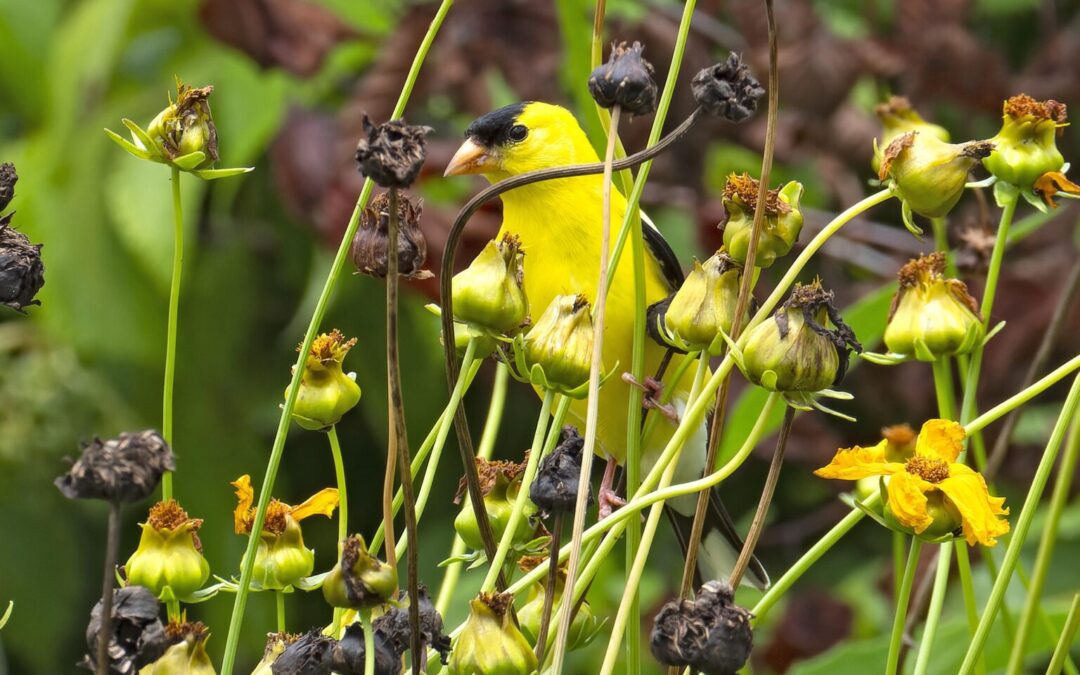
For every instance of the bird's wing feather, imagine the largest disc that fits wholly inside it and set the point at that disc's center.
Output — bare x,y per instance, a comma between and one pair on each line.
662,253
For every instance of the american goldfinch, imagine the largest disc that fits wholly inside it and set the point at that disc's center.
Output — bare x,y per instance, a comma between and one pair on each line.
559,225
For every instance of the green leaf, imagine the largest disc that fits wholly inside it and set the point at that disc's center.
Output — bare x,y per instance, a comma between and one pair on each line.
190,161
214,174
138,132
128,145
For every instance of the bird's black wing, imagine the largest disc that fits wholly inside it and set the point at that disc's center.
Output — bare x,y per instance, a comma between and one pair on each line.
662,253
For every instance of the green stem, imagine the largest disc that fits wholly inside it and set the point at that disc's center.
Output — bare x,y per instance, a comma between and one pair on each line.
369,641
1046,547
943,389
343,504
535,452
232,641
941,243
1023,396
933,614
1019,534
279,601
897,638
898,556
170,331
487,445
1061,651
967,586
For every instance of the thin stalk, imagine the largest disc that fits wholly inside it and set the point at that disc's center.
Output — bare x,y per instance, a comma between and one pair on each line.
898,556
343,501
279,601
236,619
1058,499
399,440
1020,530
1061,651
112,541
941,243
369,641
967,586
484,450
592,410
170,331
549,585
893,663
746,285
1023,396
535,452
933,614
758,524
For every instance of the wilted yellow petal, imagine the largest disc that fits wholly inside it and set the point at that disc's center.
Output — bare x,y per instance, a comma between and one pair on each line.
907,499
943,439
858,462
322,503
1053,182
967,490
245,495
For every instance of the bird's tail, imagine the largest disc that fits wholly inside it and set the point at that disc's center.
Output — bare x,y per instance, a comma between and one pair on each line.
720,545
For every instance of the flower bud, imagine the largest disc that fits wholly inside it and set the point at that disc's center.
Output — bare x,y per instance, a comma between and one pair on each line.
500,482
932,316
489,292
369,245
169,560
281,560
326,392
122,469
711,634
560,343
927,173
22,274
1025,148
185,126
795,351
704,306
392,153
897,118
780,228
8,178
489,643
625,80
584,625
359,580
555,488
899,442
187,655
728,90
137,636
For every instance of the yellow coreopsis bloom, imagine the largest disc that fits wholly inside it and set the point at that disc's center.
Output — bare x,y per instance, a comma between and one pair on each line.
282,559
929,483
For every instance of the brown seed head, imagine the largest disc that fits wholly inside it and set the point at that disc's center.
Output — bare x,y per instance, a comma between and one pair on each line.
1023,105
744,190
497,602
930,469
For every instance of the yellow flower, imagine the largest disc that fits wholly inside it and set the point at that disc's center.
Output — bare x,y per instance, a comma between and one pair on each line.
931,474
282,559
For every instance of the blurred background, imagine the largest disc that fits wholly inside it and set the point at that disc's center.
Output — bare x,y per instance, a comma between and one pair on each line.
292,79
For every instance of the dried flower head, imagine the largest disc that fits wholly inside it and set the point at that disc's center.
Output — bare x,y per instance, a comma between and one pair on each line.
347,655
168,560
1025,148
500,482
711,634
187,653
326,391
137,635
8,178
489,642
555,487
369,245
187,126
22,274
625,80
727,89
392,153
783,220
122,469
395,625
310,654
359,580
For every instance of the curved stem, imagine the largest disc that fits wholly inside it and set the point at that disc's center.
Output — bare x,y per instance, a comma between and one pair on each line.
170,330
900,619
232,642
112,541
593,406
1020,530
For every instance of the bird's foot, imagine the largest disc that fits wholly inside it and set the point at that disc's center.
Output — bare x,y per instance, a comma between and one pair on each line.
609,501
653,388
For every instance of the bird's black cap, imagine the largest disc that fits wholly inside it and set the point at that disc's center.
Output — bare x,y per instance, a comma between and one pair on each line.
493,129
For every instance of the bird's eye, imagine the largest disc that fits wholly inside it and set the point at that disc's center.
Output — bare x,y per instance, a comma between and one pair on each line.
518,132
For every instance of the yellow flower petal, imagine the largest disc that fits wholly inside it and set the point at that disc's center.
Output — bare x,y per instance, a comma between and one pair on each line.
858,462
322,503
245,496
1053,182
966,489
907,499
943,439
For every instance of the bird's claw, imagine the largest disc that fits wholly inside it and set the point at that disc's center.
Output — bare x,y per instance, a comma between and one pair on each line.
653,388
609,501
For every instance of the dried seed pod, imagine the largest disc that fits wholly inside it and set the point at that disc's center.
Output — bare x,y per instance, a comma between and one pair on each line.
782,223
310,654
1026,147
728,89
395,625
711,633
359,580
22,274
8,178
276,643
392,153
369,245
347,655
122,469
500,482
625,80
555,487
186,126
138,637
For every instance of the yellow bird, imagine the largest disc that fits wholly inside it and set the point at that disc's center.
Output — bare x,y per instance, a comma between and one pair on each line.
559,225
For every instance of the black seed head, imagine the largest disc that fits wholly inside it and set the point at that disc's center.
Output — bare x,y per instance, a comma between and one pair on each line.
625,80
347,656
392,153
8,178
122,469
309,655
22,274
728,90
555,488
137,635
368,250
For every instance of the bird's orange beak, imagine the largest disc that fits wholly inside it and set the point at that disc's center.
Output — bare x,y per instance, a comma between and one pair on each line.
471,158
